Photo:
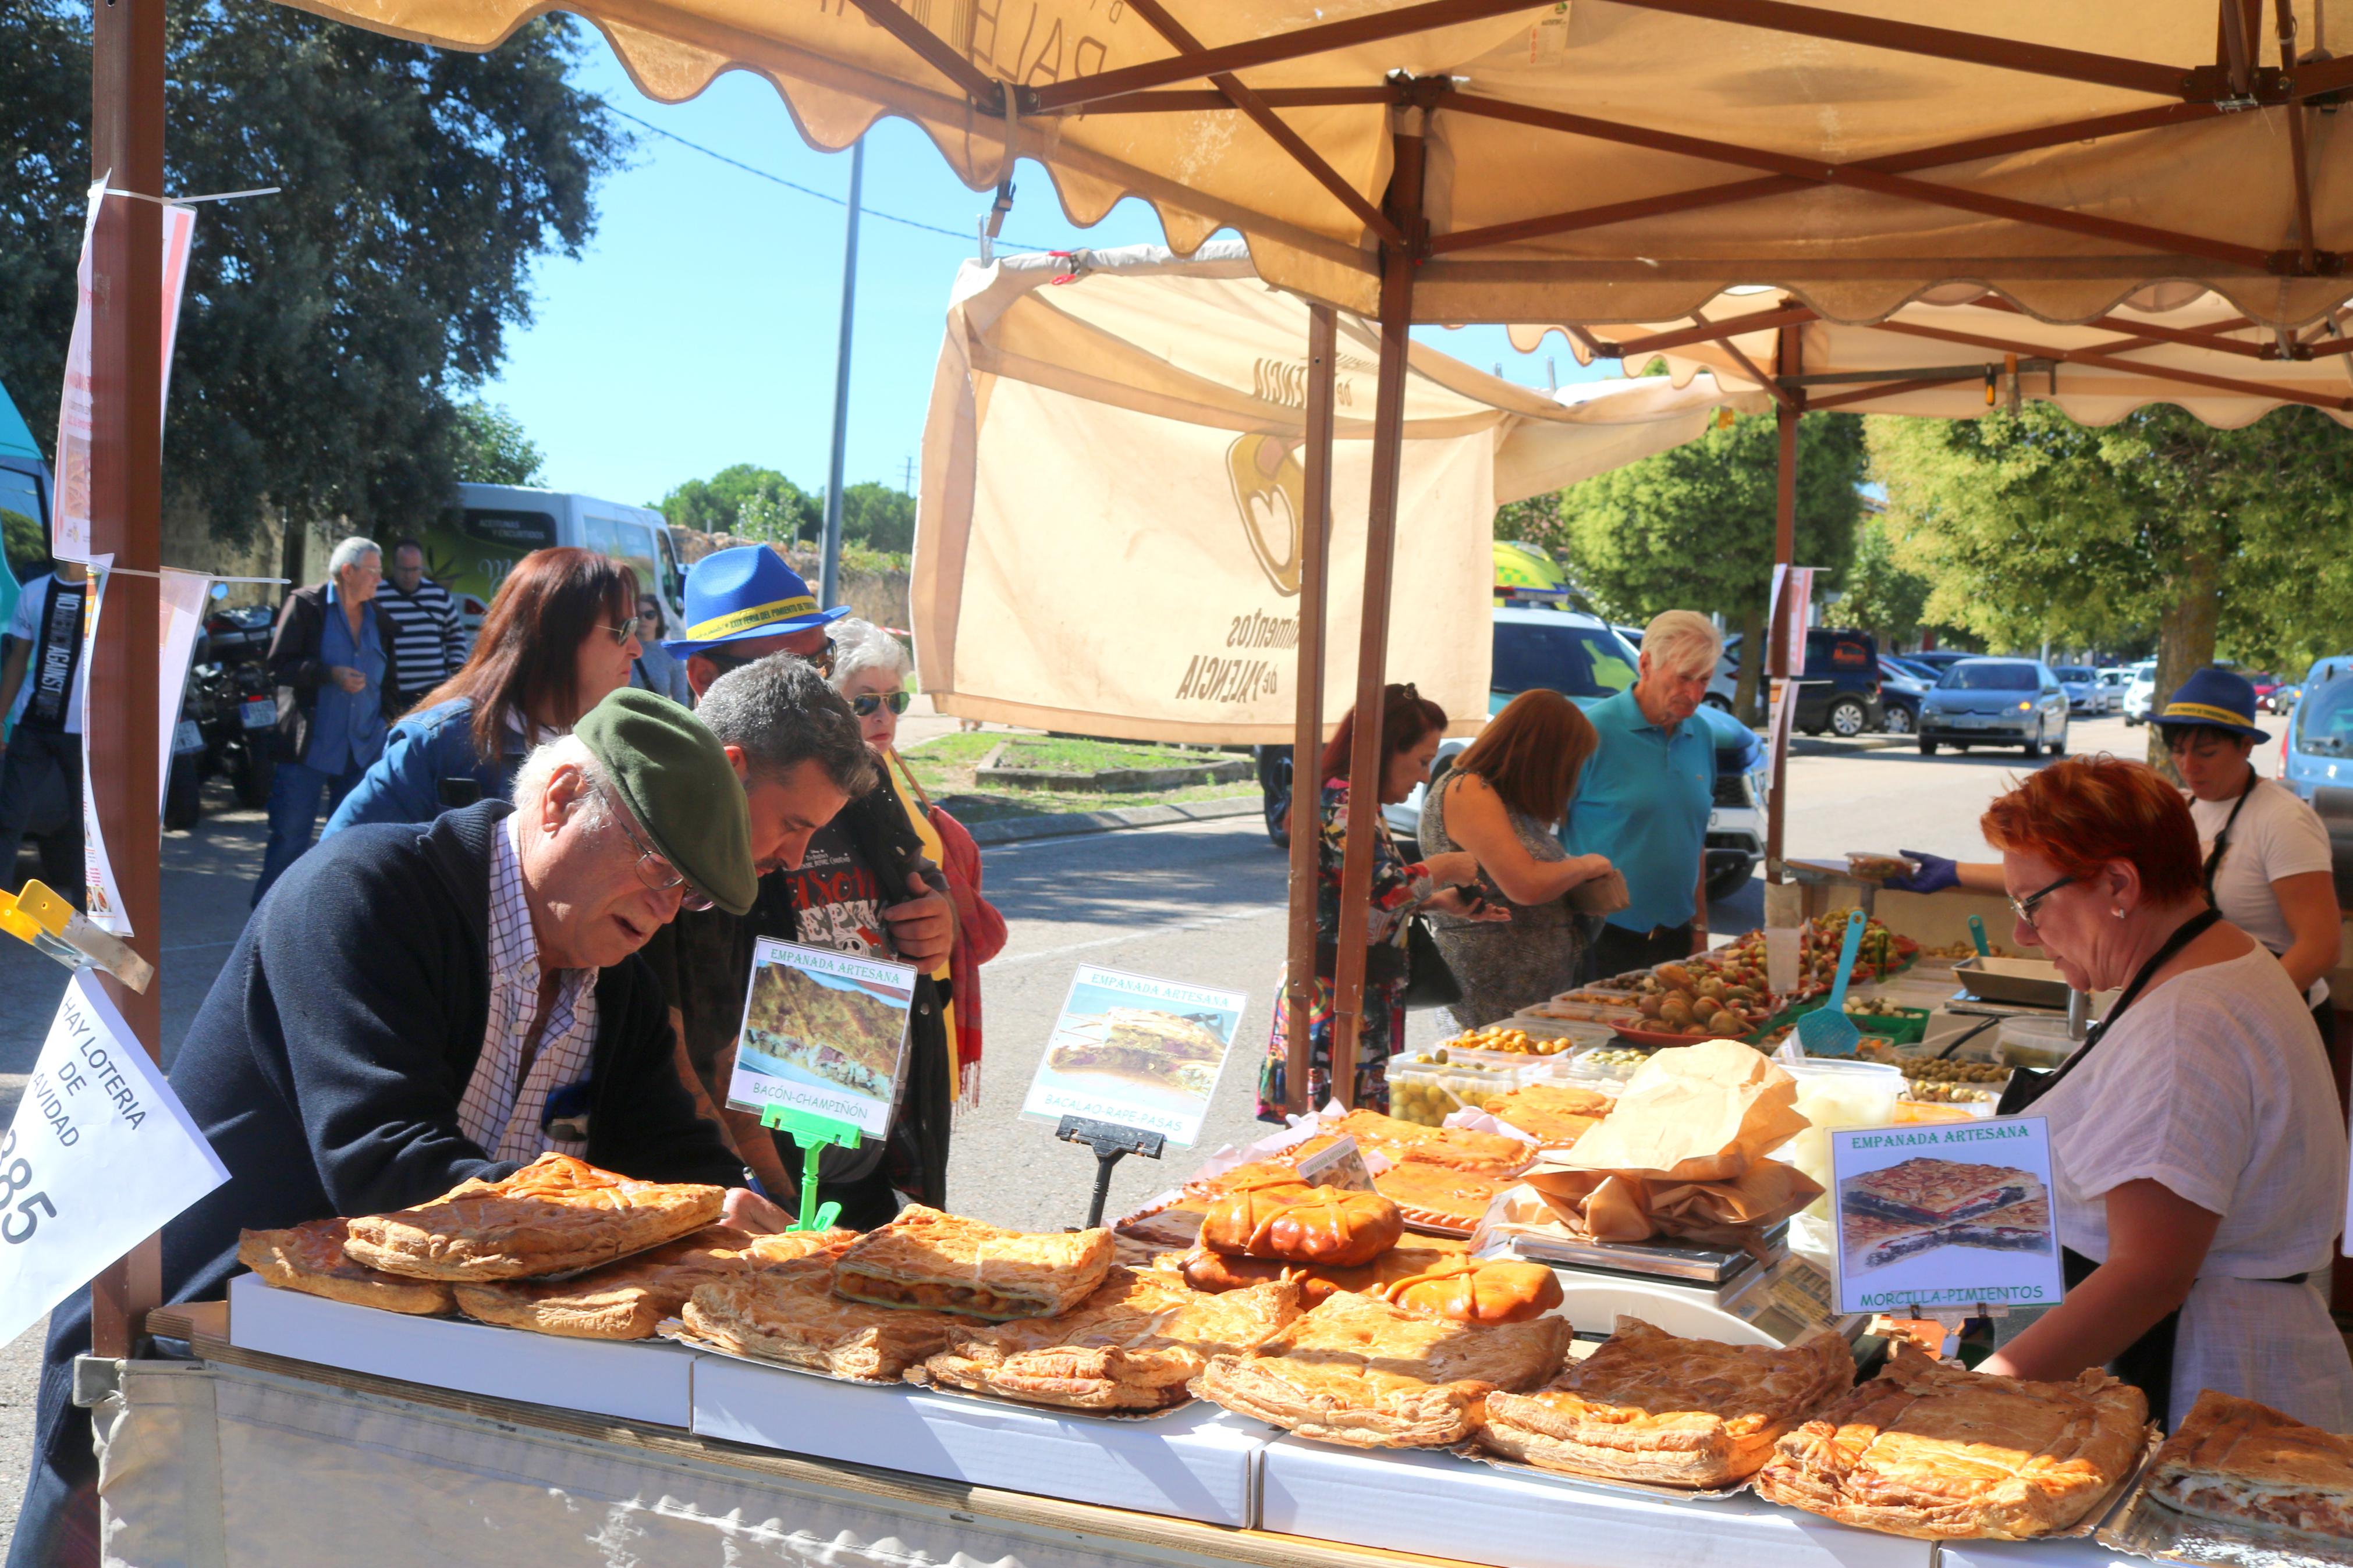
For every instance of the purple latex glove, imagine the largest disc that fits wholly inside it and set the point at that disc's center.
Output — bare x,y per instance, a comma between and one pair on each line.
1936,873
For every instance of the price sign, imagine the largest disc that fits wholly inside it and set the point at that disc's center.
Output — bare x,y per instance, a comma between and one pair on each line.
99,1155
1137,1051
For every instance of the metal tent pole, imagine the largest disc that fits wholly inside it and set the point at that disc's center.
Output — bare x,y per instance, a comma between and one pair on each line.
1307,733
126,522
1398,263
829,577
1788,360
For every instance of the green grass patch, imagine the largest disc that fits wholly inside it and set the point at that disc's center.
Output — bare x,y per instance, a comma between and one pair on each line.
944,767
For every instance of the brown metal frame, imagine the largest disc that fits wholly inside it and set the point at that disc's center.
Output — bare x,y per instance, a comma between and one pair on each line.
2105,359
1307,732
1789,358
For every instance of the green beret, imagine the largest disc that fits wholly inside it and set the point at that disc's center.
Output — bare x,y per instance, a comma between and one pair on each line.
674,777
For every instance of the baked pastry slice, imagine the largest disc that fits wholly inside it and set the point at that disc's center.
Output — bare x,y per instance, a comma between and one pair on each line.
1359,1372
1936,1453
1456,1148
1277,1216
1205,1271
787,1312
1132,1345
309,1257
626,1300
1653,1407
1478,1291
555,1213
1555,1115
2021,1227
1874,1241
1165,1048
945,1262
1434,1197
1938,1191
2245,1464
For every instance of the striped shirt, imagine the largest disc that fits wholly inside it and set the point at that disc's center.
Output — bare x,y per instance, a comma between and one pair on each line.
503,1116
428,643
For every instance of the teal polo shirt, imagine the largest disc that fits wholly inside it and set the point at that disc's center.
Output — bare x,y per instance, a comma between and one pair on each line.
1643,802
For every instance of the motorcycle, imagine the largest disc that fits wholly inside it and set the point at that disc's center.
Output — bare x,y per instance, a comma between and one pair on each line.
231,706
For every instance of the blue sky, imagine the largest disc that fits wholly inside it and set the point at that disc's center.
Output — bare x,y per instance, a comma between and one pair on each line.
698,328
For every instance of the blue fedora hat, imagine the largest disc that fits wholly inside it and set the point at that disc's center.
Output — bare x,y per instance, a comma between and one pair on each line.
2215,700
734,595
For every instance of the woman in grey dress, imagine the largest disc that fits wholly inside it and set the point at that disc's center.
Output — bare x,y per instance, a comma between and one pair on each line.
1500,801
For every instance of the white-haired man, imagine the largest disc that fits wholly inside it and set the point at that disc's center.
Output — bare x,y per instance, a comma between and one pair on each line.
1644,798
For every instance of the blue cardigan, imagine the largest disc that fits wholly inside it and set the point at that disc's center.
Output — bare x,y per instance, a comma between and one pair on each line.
428,746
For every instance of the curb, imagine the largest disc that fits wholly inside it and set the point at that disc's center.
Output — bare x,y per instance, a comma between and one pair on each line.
1064,824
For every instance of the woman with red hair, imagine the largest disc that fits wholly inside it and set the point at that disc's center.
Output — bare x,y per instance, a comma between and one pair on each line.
1411,726
2197,1155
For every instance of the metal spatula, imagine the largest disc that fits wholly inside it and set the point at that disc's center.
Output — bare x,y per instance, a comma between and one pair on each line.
1827,1031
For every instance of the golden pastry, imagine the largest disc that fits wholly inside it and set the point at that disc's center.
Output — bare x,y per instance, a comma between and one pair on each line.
1455,1148
1284,1217
555,1213
1205,1271
1555,1115
1478,1291
1936,1453
1358,1372
309,1257
1937,1191
1433,1197
787,1312
942,1261
2248,1465
1651,1406
1132,1345
626,1300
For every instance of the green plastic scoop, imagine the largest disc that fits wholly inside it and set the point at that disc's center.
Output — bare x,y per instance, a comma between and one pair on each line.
1827,1031
1976,934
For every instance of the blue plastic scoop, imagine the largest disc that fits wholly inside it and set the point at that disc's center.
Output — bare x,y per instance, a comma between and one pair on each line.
1976,934
1827,1031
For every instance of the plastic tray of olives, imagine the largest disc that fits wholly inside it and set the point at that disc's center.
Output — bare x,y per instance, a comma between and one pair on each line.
1425,1090
1606,1064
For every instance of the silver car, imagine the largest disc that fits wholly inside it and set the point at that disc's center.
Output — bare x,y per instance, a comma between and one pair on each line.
2086,697
2141,694
1995,702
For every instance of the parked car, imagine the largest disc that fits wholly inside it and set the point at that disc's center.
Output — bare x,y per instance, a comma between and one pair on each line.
2142,693
1584,659
2317,753
2086,696
1839,691
1901,687
1910,665
1996,701
2116,679
2285,699
1940,659
2266,686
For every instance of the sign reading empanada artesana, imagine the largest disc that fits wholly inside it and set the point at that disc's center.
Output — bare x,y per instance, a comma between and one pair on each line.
1137,1051
824,1032
1946,1217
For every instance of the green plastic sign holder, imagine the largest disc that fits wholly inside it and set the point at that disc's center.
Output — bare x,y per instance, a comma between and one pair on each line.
813,1133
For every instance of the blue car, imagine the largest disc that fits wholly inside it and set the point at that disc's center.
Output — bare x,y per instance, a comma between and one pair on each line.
2318,751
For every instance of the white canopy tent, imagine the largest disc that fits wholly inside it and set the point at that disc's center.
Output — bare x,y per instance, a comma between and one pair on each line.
1115,470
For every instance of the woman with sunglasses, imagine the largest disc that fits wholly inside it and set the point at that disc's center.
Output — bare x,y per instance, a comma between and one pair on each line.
2197,1156
562,631
869,669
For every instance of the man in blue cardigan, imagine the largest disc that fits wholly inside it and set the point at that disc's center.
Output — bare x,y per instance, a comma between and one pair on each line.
414,1004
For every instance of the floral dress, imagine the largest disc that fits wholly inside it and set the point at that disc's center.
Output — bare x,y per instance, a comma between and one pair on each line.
1399,889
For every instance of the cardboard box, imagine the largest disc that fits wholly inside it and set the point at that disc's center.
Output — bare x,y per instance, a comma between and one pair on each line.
633,1380
1199,1463
1435,1504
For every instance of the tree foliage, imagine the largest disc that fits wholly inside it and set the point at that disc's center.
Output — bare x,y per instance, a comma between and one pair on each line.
1882,596
754,502
325,328
492,447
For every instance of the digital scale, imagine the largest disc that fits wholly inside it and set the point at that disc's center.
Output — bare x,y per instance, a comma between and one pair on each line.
1692,1286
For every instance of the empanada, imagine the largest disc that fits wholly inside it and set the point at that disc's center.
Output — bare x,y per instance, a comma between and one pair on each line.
1555,1115
1132,1345
1651,1406
1434,1197
1284,1217
2247,1464
1358,1372
943,1262
1455,1148
555,1213
625,1300
787,1312
1206,1270
1478,1291
309,1257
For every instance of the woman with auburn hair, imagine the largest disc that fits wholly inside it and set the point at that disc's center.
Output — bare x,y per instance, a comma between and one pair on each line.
561,635
2197,1153
1410,727
1502,799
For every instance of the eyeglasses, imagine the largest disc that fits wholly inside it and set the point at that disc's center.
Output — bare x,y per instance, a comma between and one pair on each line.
625,631
653,869
896,702
2024,908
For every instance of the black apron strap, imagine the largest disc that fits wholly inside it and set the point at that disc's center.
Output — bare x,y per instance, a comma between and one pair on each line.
2028,1085
2147,1363
2222,839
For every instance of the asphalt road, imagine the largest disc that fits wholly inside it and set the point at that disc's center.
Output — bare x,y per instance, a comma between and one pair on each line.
1197,902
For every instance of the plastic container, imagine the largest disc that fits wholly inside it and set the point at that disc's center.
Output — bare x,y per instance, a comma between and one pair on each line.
1869,865
1831,1095
1428,1092
1607,1014
2034,1042
1896,1023
1605,1065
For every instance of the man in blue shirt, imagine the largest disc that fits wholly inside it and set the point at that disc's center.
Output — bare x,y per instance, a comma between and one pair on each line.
1644,798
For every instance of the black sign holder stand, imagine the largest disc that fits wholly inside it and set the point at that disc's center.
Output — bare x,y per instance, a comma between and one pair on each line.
1109,1140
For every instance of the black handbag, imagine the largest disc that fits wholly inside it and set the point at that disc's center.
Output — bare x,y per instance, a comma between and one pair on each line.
1429,982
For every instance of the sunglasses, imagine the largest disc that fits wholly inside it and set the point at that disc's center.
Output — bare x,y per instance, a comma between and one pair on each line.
625,631
896,702
2024,908
654,868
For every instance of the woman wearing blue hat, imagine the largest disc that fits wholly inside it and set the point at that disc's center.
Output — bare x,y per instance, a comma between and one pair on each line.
2265,852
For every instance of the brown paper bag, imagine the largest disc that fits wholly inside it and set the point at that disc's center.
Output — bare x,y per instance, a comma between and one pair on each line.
1703,1112
1604,895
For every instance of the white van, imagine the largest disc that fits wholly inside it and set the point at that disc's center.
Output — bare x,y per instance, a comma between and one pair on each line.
486,529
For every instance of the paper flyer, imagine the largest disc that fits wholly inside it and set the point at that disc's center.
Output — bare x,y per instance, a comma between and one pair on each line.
181,603
102,900
1137,1051
823,1032
1944,1214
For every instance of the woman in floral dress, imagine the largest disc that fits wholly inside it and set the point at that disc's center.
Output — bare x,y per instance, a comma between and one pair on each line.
1411,726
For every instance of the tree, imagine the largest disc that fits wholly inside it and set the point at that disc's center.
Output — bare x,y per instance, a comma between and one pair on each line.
2231,541
326,327
746,499
491,448
1881,596
1692,528
878,517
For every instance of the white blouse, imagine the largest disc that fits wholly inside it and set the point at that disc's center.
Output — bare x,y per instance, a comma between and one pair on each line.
2213,1085
2276,836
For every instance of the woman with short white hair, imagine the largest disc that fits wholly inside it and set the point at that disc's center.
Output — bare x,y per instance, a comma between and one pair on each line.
869,669
1644,799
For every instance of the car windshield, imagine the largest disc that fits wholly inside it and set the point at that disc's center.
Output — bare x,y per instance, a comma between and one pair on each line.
2324,719
1576,661
2075,672
1988,675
